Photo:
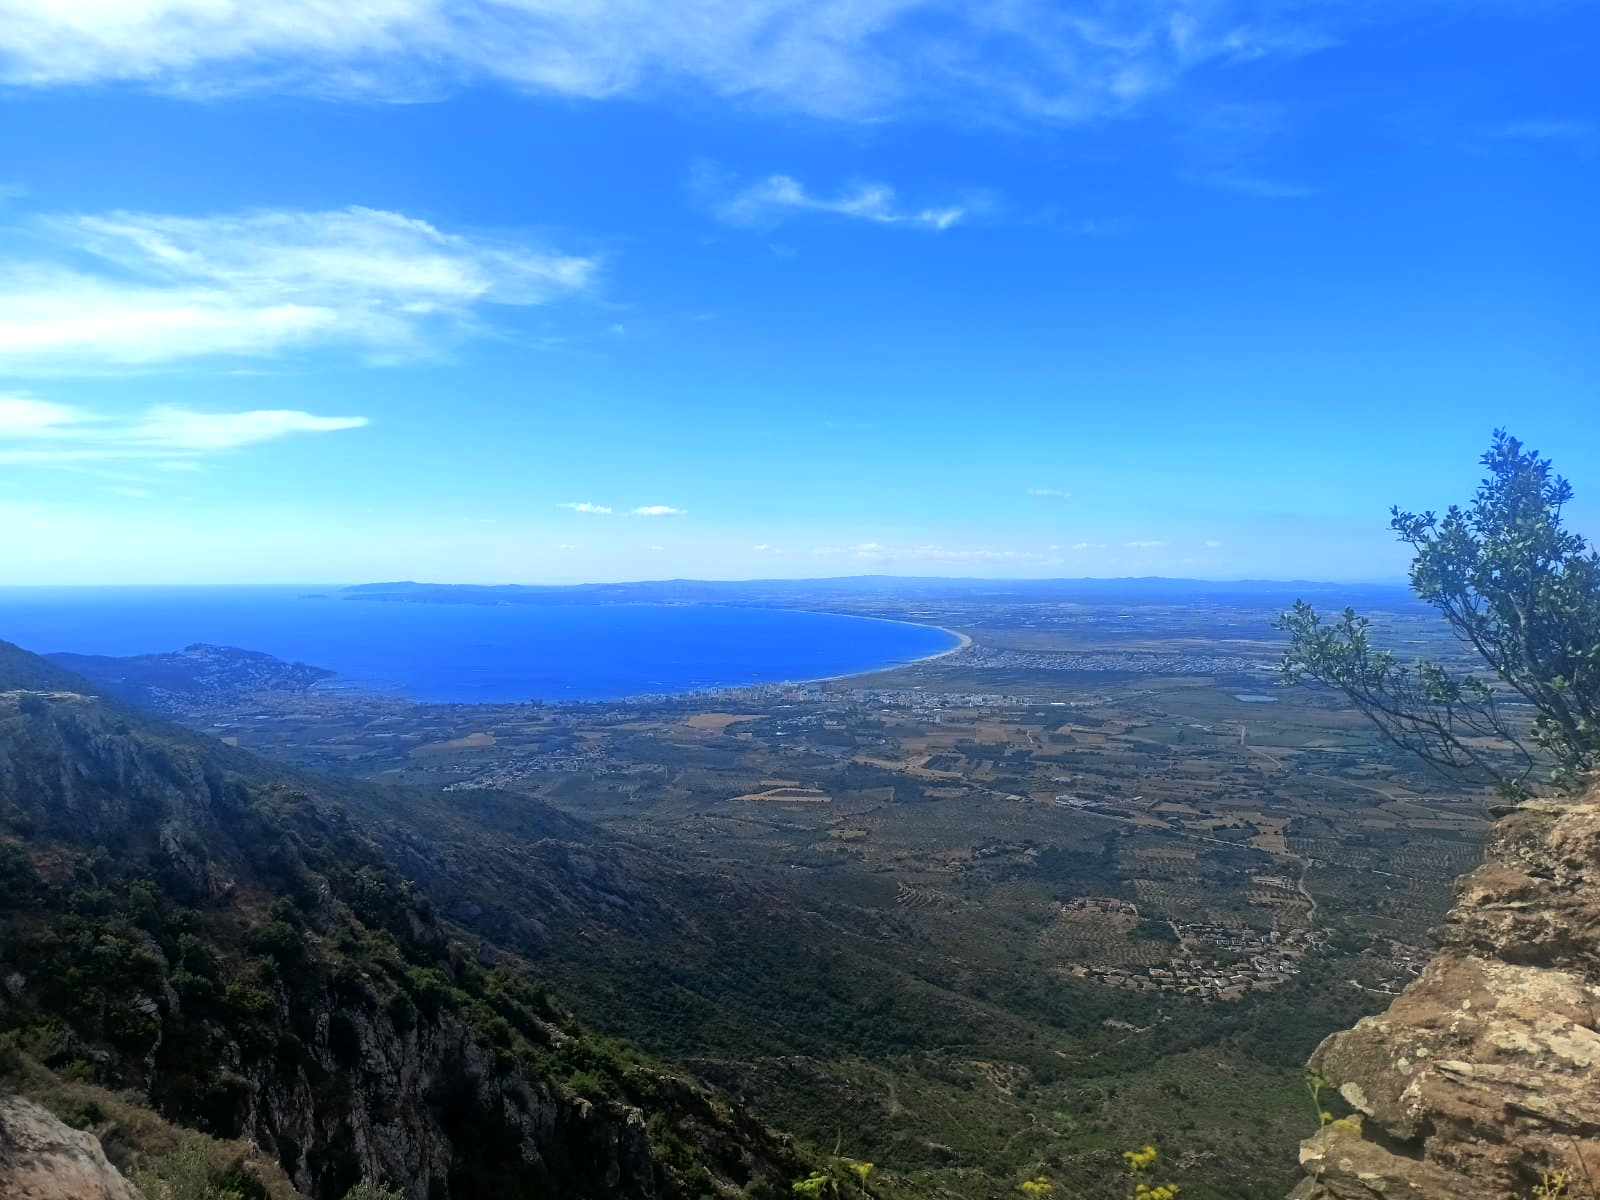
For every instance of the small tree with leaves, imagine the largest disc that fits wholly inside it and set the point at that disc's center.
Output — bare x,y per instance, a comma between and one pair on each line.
1523,594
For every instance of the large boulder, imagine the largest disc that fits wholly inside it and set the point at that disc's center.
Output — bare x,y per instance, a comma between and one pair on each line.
1483,1077
42,1159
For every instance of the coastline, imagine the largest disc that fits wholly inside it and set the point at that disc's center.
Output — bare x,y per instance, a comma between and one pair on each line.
358,680
963,640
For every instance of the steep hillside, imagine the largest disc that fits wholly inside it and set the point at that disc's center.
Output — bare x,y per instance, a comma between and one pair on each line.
1483,1077
181,921
196,675
363,940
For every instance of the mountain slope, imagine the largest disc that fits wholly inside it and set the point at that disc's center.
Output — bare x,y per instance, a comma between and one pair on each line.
195,676
183,921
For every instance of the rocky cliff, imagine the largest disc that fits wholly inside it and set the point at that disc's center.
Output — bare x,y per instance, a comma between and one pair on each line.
181,921
1483,1077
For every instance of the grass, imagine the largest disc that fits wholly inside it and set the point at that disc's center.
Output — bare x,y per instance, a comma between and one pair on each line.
165,1161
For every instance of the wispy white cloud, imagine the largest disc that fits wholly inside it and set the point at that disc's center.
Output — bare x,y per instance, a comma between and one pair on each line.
1144,545
24,416
1260,186
839,57
131,289
1213,545
41,433
606,510
1088,545
177,429
772,199
1049,493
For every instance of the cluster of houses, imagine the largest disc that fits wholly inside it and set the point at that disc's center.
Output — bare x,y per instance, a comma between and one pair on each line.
1240,960
1121,662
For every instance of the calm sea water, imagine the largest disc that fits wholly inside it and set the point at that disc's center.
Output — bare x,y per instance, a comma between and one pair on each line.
467,652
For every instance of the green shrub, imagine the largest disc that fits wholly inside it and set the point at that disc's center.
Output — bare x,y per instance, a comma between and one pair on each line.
590,1086
193,1172
369,1189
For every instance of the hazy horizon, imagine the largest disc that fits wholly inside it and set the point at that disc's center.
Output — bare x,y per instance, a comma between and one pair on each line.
346,585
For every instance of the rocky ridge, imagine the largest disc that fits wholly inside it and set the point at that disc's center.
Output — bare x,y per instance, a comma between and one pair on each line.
1482,1078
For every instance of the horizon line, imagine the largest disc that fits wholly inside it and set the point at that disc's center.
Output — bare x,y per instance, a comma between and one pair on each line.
749,580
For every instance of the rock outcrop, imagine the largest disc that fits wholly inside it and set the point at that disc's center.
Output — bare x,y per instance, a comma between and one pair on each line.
1483,1077
42,1159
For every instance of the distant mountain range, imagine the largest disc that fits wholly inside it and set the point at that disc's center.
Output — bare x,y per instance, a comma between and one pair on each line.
772,591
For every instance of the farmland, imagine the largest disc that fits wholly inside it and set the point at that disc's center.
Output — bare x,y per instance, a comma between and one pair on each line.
1105,826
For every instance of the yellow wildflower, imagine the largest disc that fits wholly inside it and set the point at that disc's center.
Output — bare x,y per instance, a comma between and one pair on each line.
1139,1160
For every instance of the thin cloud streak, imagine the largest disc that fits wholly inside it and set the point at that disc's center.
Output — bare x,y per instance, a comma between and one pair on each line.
772,199
40,433
128,289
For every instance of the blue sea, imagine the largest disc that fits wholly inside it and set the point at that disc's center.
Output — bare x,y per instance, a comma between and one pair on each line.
469,653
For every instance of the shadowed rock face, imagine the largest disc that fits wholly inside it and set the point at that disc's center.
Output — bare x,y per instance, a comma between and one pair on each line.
1484,1075
42,1159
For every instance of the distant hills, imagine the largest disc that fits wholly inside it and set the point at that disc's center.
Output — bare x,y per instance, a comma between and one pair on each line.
194,676
775,591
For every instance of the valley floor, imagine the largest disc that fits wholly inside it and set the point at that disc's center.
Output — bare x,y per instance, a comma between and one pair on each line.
1091,881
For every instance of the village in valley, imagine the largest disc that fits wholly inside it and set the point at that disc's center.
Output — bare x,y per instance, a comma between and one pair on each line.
1076,781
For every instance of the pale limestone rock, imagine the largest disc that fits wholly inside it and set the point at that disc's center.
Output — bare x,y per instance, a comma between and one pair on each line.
42,1159
1485,1072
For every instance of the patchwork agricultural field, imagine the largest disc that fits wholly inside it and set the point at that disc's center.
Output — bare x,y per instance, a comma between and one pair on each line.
1102,832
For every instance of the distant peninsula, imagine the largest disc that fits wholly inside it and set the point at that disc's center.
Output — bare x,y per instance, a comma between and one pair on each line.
196,676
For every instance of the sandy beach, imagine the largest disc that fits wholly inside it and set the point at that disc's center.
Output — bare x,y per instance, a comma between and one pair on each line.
963,640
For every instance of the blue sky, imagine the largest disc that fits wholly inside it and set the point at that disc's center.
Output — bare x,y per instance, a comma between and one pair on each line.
547,291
